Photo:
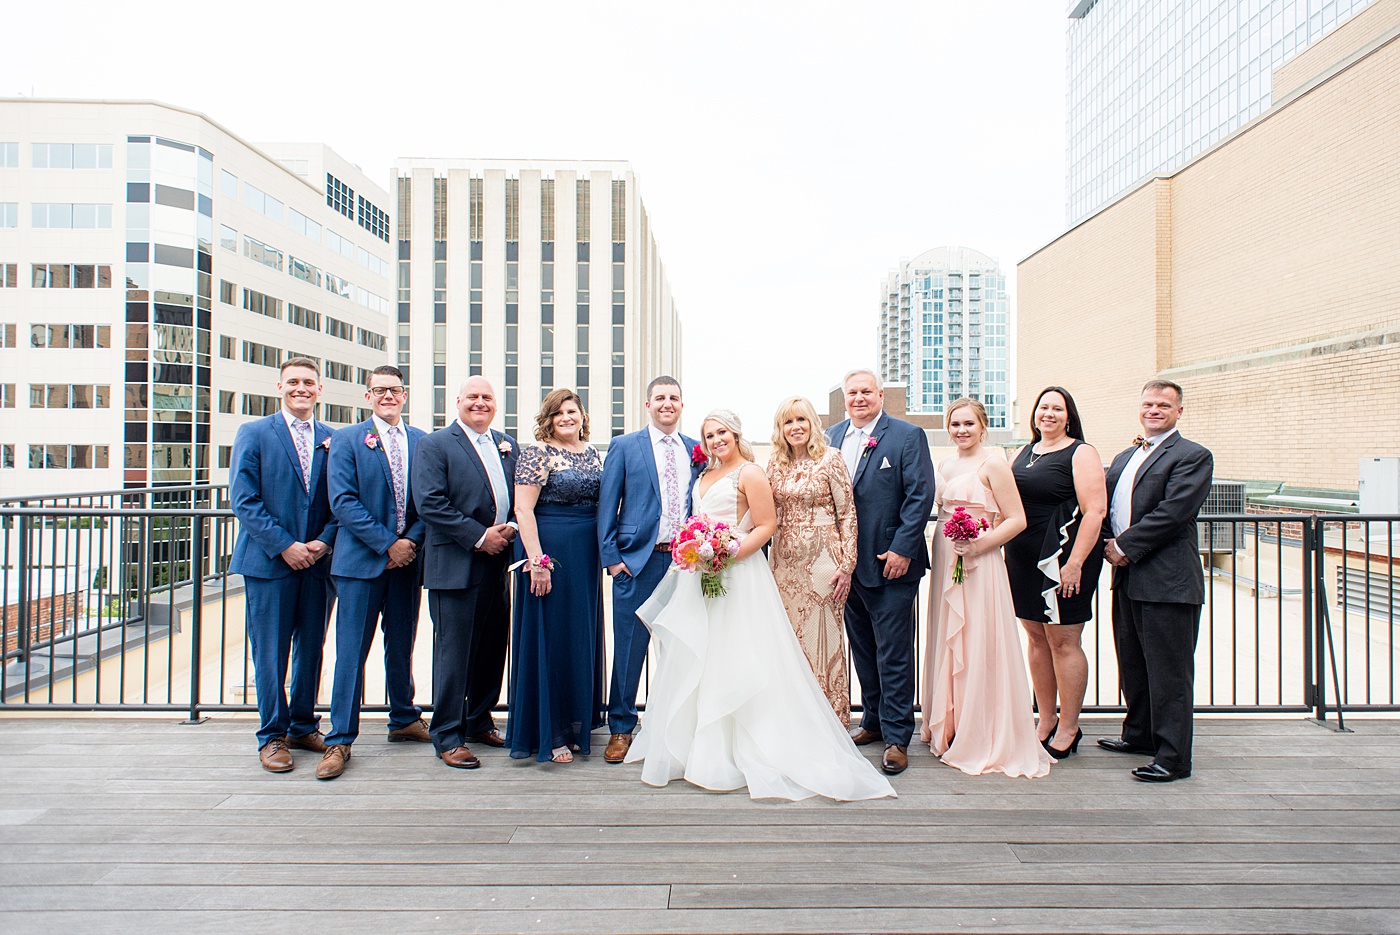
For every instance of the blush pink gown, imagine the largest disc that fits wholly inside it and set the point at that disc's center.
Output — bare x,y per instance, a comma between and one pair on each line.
976,694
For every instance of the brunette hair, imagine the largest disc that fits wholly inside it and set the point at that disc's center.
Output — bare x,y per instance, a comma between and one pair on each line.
306,362
549,408
1166,385
1073,427
383,370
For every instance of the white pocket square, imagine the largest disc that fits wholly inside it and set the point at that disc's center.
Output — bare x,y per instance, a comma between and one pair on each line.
884,463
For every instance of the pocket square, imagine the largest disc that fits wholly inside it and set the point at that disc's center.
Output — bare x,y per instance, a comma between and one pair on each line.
884,463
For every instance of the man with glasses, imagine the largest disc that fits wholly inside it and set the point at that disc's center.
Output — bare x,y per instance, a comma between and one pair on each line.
277,488
376,568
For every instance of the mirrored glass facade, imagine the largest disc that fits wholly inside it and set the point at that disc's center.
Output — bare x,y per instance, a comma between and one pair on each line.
1152,83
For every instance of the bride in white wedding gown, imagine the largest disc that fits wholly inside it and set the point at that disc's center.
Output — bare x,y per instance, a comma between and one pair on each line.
733,701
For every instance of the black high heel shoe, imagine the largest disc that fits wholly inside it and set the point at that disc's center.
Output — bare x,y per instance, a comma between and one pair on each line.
1069,751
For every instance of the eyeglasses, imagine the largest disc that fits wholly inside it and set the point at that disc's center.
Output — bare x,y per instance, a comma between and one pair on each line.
379,391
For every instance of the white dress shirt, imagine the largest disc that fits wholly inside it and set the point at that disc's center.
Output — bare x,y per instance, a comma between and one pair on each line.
1120,511
499,490
853,444
383,428
665,529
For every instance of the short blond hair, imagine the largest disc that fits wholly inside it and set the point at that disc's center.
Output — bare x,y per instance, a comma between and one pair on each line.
816,443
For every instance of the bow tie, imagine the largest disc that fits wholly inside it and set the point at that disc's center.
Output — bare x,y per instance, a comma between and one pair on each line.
1144,443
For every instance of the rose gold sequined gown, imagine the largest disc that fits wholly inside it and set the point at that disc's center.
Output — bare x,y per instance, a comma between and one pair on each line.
816,537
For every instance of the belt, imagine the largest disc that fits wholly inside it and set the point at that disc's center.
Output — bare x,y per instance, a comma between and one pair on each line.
662,547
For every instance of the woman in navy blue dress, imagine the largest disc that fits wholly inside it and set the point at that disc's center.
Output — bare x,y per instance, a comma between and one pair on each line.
556,684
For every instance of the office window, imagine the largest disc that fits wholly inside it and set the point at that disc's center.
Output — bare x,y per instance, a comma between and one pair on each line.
340,287
371,339
340,329
9,214
259,252
9,334
67,457
340,196
372,218
303,225
335,370
228,292
58,216
342,415
228,238
228,183
225,456
7,456
71,276
71,155
261,354
69,396
262,304
228,346
7,395
70,336
304,317
226,399
300,269
9,155
256,405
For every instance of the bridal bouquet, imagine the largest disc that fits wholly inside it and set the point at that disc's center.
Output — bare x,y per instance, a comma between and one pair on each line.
707,547
963,528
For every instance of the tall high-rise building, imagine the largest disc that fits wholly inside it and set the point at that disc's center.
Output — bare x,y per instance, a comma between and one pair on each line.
944,328
535,275
1153,83
155,270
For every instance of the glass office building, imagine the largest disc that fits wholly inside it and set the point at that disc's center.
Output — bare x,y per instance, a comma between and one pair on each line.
944,329
1153,83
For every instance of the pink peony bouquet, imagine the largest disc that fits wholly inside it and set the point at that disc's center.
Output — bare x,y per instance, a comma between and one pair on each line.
707,547
963,528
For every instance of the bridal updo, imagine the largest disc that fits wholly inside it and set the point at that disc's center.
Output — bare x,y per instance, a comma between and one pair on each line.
728,419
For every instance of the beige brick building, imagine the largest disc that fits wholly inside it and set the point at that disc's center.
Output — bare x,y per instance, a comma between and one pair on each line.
1264,276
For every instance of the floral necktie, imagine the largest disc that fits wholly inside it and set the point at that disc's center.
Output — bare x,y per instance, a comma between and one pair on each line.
673,489
396,472
302,435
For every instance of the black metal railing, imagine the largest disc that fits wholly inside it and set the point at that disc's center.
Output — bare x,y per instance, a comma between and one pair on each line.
119,600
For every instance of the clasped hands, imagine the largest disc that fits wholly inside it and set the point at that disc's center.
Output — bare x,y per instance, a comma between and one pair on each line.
1114,555
301,555
401,553
496,539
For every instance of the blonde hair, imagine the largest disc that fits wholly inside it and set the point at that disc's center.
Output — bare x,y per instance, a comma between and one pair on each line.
728,419
966,402
816,443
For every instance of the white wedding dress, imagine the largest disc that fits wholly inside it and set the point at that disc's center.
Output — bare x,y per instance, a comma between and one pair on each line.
733,701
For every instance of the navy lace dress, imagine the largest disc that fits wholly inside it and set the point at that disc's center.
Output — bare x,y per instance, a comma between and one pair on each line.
556,668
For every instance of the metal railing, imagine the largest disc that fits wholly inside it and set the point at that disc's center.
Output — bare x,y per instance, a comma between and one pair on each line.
119,600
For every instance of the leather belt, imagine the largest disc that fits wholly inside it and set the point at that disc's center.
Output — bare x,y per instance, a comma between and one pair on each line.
662,547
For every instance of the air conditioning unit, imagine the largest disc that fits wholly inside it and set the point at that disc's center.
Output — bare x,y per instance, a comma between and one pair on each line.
1225,497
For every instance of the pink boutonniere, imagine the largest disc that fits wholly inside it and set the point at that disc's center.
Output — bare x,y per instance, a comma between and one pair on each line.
371,440
505,448
870,444
698,458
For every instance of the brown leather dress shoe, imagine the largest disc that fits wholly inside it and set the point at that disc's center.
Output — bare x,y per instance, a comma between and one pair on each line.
460,758
861,737
492,738
314,741
417,732
616,750
333,763
275,756
895,760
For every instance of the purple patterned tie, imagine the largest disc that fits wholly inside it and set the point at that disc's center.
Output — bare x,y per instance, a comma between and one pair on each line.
673,488
396,471
303,429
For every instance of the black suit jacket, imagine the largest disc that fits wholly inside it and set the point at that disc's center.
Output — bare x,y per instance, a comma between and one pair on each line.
453,494
1164,562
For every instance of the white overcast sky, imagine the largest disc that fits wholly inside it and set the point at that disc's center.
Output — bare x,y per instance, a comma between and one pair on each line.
790,154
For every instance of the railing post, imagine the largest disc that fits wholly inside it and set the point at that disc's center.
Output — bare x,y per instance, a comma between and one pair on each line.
1319,617
196,614
23,563
1310,697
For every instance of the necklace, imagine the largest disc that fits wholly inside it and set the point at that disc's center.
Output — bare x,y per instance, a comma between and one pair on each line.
1037,455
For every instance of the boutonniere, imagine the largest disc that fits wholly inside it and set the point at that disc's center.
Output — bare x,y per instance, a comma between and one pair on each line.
870,444
698,458
372,440
504,448
325,443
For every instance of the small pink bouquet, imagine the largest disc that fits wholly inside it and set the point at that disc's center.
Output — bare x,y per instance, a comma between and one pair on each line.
707,547
963,528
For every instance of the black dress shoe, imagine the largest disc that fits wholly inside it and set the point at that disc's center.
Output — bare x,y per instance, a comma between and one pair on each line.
1154,772
1119,745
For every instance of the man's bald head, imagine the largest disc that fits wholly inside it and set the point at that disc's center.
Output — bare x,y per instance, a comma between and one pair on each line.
476,404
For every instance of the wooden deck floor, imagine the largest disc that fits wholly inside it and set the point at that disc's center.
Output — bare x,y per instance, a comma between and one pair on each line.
118,825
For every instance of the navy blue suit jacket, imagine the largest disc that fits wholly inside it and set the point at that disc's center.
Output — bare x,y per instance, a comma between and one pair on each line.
452,492
893,491
629,500
269,498
362,498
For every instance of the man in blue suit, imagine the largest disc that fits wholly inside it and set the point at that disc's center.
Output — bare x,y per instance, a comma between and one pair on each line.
645,497
277,486
375,568
892,480
463,486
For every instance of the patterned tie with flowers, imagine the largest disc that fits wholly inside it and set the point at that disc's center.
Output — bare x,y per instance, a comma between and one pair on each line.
302,436
397,472
673,488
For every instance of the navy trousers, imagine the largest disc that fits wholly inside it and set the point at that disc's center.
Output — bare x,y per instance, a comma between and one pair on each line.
471,627
630,639
286,620
393,598
880,626
1156,644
